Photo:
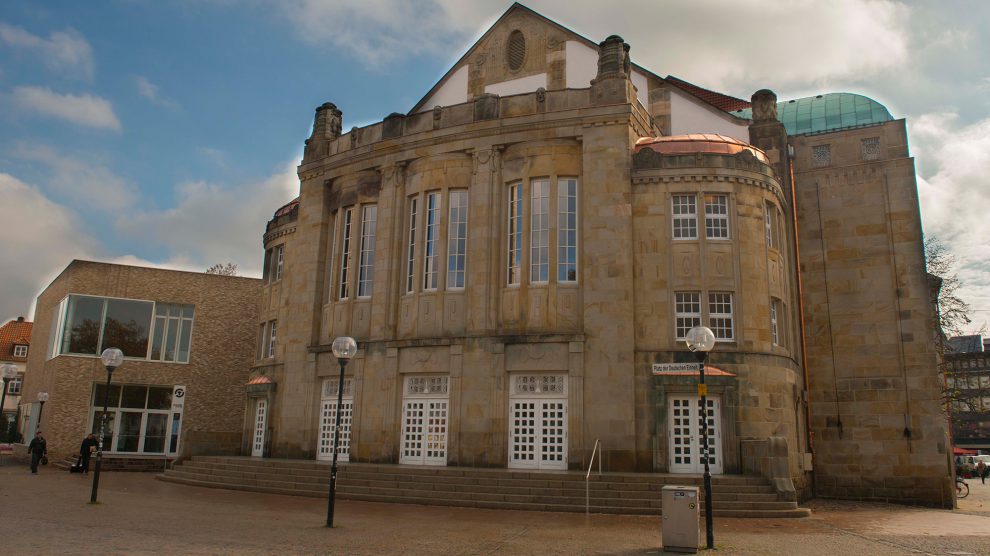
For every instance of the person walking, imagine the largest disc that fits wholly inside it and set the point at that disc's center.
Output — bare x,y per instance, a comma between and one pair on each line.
86,450
984,471
38,449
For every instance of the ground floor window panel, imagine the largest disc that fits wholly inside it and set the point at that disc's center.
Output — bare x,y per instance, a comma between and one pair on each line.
139,419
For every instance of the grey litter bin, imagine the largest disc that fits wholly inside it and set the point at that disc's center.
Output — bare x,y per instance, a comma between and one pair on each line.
680,507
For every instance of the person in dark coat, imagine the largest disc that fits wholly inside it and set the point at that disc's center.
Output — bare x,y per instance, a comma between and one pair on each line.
85,450
38,449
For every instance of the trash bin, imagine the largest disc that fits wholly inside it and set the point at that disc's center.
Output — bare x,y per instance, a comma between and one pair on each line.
679,528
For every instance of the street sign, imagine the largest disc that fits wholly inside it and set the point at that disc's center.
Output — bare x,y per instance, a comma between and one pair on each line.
678,368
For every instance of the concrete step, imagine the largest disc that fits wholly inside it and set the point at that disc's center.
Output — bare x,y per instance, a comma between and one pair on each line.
620,493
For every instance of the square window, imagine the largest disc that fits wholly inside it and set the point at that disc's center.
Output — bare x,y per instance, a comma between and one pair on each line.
20,351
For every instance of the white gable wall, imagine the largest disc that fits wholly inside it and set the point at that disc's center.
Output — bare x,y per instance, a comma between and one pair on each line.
527,84
453,91
689,115
581,65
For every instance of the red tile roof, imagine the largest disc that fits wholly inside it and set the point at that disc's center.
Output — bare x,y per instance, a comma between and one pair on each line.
15,332
261,379
287,208
718,100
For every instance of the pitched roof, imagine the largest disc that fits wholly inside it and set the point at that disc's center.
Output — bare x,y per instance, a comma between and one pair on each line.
15,332
718,100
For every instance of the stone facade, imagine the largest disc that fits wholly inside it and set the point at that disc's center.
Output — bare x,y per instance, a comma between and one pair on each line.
225,314
485,325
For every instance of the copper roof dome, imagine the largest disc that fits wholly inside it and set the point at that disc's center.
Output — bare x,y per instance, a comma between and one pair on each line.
699,143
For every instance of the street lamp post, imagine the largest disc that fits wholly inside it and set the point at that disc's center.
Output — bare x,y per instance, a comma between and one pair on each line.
112,358
700,340
344,348
9,372
42,398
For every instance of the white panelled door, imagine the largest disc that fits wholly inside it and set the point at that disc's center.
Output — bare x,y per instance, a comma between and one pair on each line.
684,434
425,421
538,422
328,417
260,423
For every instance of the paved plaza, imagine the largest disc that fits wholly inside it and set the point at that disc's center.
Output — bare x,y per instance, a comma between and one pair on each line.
49,513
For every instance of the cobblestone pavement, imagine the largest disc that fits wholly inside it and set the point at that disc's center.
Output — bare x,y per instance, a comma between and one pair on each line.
49,513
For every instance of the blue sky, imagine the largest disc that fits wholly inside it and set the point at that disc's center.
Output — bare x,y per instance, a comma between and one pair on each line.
167,132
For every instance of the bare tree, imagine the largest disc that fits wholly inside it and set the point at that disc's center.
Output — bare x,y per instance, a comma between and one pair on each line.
952,313
223,269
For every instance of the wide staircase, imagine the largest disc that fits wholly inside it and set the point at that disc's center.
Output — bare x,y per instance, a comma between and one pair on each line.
560,491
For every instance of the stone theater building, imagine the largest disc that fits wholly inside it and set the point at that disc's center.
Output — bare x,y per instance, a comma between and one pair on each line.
521,253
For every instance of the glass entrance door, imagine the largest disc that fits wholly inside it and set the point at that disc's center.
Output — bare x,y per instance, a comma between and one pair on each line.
684,434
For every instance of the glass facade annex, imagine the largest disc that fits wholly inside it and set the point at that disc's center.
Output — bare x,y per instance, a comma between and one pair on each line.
828,112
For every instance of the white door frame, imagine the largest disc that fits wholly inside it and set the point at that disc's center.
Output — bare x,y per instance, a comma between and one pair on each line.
259,427
425,420
328,416
538,421
684,434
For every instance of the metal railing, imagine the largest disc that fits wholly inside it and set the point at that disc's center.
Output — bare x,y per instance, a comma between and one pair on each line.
587,476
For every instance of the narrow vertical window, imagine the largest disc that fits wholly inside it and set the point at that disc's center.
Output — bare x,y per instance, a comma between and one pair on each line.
716,217
271,338
720,315
457,239
411,251
345,254
687,312
366,266
774,319
685,216
263,340
279,258
768,224
266,274
515,233
430,243
567,230
773,226
539,258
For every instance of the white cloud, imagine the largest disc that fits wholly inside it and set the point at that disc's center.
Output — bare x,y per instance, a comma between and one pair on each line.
43,237
213,223
87,110
152,92
954,189
85,182
66,52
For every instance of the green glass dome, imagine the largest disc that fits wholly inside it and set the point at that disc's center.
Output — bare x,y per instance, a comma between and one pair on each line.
823,113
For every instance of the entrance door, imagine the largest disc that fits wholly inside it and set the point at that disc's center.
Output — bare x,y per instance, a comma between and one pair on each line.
424,421
424,432
684,434
538,422
328,418
260,423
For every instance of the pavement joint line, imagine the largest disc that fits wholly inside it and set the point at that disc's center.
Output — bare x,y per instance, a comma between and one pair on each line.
876,540
501,544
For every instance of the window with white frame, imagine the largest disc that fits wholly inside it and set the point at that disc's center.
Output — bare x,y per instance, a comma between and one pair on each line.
685,216
366,265
430,241
20,351
457,238
14,388
172,333
514,264
720,315
279,259
86,325
345,253
266,273
411,247
716,217
775,314
539,243
567,230
687,312
270,350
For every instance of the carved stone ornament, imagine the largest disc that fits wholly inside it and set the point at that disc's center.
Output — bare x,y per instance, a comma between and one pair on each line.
541,95
646,159
354,136
764,106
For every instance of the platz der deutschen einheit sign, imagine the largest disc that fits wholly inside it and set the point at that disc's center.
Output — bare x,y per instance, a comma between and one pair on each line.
672,368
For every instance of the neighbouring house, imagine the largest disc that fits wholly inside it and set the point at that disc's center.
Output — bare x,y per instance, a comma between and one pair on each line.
15,343
967,381
187,339
521,254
